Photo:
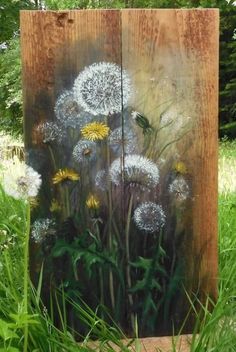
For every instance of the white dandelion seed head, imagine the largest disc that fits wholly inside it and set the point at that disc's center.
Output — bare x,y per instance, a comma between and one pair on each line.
149,217
51,131
138,171
98,88
70,114
102,180
174,119
41,228
84,151
179,188
128,139
134,115
67,110
168,118
33,181
19,180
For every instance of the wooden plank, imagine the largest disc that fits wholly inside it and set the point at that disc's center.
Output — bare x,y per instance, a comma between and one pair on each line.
166,344
181,343
172,56
55,47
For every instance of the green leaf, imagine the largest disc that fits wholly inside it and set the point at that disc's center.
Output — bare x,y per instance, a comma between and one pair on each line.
5,331
21,319
144,284
90,256
61,248
149,304
142,263
155,285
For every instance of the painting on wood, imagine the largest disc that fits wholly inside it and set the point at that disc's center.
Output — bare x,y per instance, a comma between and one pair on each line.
120,119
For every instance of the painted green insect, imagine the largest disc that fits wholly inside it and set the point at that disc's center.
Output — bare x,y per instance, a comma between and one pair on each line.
142,122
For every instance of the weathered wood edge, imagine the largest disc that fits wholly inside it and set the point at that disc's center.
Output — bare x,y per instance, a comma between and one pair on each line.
126,9
181,343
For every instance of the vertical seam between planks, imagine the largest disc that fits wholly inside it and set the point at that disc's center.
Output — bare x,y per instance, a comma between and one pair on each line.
122,115
122,133
121,87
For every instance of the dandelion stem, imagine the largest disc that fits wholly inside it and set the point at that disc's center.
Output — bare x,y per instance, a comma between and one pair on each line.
111,281
101,286
128,275
67,201
171,142
52,157
100,270
26,275
64,208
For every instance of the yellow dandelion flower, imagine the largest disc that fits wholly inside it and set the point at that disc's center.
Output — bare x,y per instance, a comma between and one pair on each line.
55,206
65,175
95,131
92,202
180,167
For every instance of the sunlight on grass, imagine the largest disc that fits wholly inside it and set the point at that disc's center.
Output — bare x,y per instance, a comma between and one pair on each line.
227,167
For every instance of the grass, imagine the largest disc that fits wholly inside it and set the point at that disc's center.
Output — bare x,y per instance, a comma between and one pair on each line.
217,330
227,167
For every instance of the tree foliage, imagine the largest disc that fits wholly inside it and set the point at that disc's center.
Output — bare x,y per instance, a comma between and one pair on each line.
228,70
9,17
10,90
10,68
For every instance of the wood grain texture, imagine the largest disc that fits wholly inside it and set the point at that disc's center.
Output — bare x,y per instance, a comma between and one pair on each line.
182,45
165,344
55,46
182,343
170,54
